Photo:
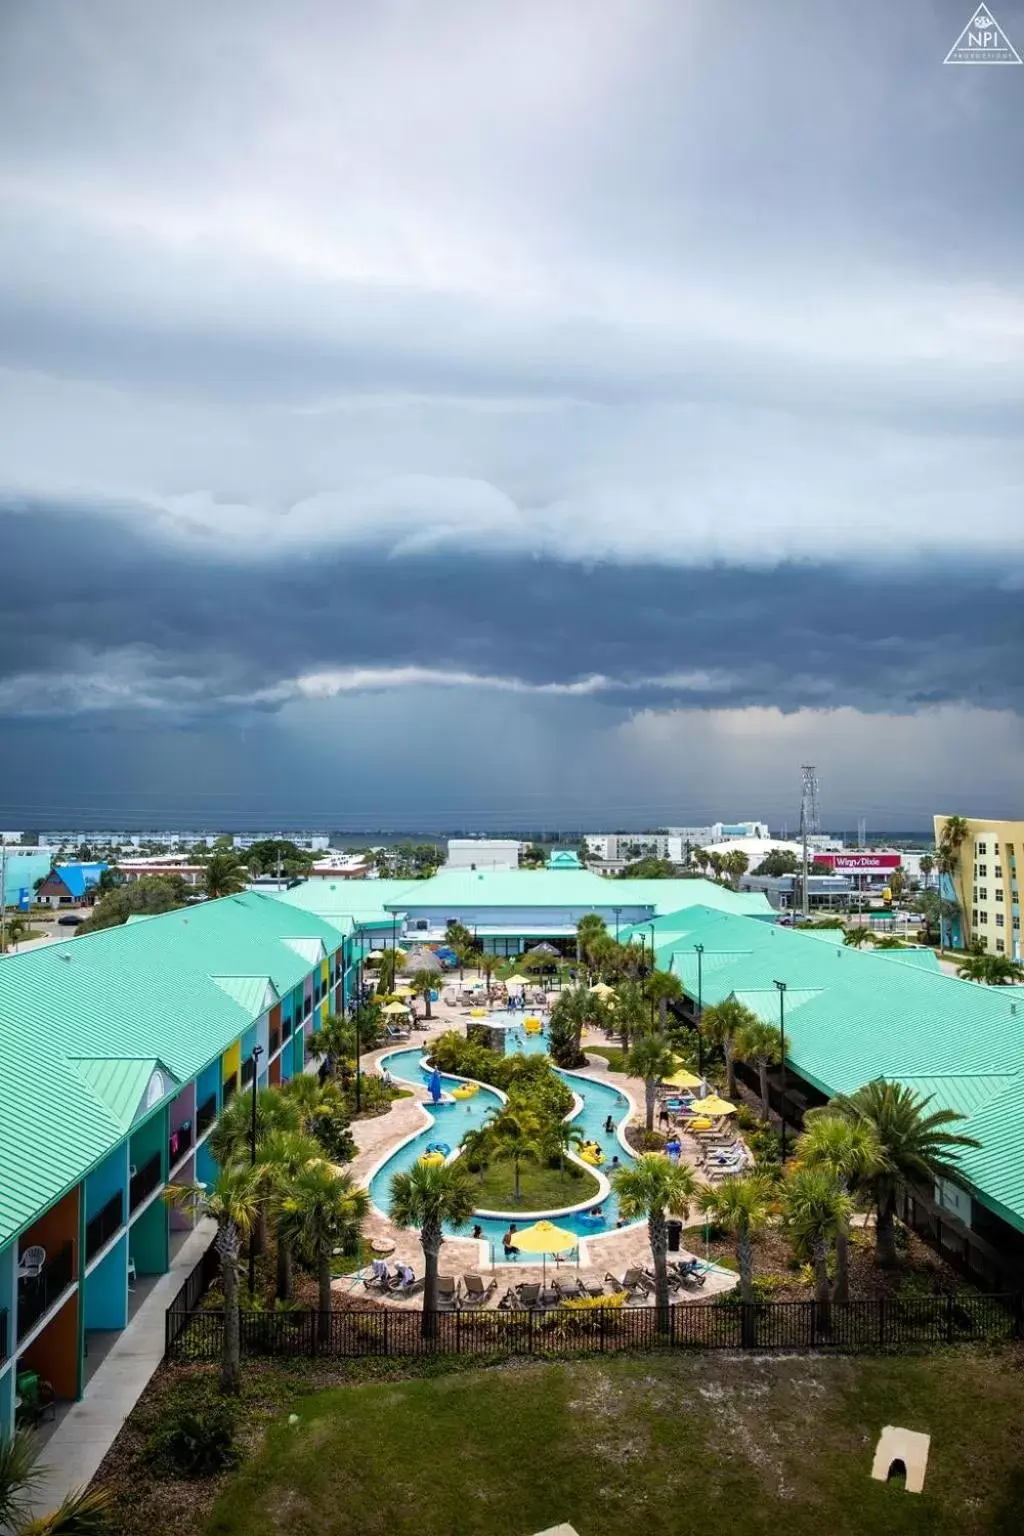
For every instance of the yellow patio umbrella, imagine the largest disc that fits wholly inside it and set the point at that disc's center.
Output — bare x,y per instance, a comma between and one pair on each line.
544,1238
478,1013
395,1008
602,989
713,1106
403,991
683,1079
375,954
517,981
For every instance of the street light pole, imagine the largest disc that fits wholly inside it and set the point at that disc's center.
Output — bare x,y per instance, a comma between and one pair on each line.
257,1052
782,1062
699,949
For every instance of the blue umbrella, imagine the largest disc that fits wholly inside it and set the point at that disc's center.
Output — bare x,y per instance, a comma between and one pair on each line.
434,1086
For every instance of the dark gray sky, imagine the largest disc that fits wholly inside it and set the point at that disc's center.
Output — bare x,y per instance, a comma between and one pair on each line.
547,412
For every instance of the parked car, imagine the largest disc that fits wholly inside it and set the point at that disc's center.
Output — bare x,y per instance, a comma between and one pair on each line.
70,921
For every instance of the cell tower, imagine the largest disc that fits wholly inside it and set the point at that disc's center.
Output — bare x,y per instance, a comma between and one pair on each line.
808,826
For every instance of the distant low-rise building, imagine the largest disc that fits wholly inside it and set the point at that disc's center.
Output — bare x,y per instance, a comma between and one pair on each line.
71,885
483,853
162,864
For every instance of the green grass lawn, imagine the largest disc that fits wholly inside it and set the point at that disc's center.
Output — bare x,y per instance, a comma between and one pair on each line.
613,1055
624,1447
543,1189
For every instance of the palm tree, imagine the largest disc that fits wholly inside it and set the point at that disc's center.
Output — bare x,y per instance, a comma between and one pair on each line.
557,1138
662,987
735,865
954,834
577,1007
589,929
514,1139
654,1189
233,1202
225,875
855,937
914,1147
85,1512
16,928
742,1206
651,1060
848,1150
760,1043
489,963
322,1210
724,1023
335,1039
424,982
815,1210
632,1011
992,970
476,1149
231,1140
281,1157
428,1196
926,865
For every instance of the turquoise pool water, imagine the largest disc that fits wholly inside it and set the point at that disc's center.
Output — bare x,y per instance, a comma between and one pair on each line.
450,1122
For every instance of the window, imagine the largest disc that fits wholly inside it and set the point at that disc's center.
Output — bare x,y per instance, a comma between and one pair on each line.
983,893
1016,923
1000,920
982,871
999,893
1000,947
974,918
974,894
983,848
984,919
983,941
998,872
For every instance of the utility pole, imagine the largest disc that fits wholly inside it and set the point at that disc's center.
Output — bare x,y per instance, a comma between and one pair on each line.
808,825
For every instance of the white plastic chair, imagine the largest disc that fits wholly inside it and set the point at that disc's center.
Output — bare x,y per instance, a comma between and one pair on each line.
32,1262
132,1275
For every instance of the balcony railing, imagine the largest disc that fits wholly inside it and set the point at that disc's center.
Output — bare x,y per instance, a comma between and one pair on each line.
206,1114
37,1296
275,1041
144,1181
230,1087
179,1143
248,1068
99,1229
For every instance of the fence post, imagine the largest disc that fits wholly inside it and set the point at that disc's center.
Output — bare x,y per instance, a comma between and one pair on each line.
881,1322
387,1314
600,1328
672,1325
529,1331
950,1319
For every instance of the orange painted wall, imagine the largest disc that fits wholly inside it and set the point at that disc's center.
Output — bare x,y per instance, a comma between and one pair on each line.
275,1072
54,1355
275,1017
58,1226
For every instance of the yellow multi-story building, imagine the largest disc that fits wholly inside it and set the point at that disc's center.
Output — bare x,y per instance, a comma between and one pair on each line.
987,882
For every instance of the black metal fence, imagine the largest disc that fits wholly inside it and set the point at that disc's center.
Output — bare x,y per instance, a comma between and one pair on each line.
865,1326
184,1306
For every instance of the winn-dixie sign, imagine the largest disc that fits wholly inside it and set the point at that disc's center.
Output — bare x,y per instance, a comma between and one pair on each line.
860,863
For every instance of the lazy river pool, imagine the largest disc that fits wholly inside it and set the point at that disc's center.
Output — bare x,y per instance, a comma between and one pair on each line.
451,1119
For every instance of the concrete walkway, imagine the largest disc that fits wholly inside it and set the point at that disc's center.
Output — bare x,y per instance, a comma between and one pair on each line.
80,1442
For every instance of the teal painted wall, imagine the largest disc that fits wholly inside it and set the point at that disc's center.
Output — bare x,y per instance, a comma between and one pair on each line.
105,1180
148,1240
106,1289
206,1168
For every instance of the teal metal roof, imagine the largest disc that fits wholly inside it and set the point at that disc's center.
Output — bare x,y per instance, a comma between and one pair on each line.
856,1014
118,1083
83,1022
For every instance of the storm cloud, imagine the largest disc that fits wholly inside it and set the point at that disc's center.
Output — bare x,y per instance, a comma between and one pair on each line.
609,375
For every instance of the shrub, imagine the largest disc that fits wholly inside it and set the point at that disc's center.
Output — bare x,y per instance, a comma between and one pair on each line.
194,1440
652,1141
